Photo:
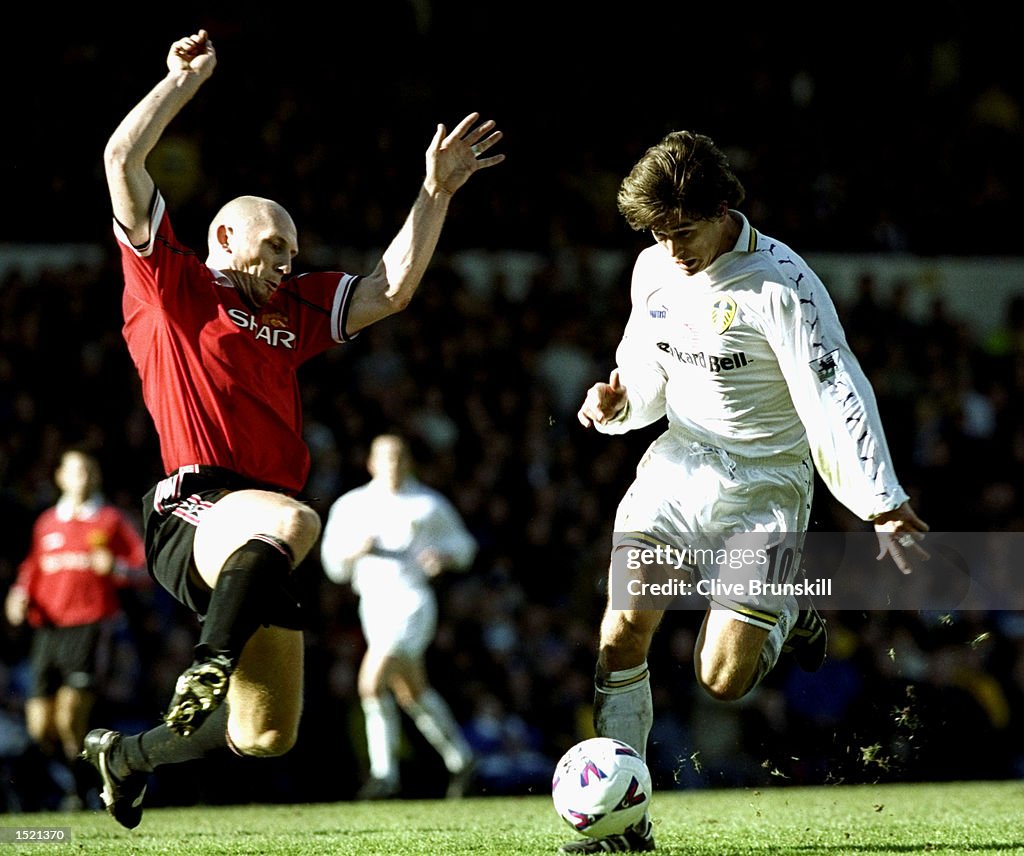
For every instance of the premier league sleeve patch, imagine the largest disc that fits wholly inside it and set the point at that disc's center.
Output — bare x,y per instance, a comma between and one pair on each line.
825,367
723,312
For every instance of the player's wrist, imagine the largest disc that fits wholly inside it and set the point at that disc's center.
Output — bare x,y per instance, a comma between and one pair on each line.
436,189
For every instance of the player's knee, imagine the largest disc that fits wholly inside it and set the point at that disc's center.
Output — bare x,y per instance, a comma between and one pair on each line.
371,687
264,743
39,731
302,527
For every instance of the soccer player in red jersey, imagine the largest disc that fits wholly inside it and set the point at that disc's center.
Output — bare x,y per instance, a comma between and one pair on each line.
217,345
83,551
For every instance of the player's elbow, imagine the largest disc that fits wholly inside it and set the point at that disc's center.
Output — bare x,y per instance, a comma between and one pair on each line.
397,299
377,298
116,155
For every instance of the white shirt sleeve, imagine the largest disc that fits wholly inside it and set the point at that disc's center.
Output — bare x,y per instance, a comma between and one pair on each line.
342,537
446,532
643,378
834,399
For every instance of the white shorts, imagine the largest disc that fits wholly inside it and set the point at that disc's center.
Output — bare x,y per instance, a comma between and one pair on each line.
697,500
400,624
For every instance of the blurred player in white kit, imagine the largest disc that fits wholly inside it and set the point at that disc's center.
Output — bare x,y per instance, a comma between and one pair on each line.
388,538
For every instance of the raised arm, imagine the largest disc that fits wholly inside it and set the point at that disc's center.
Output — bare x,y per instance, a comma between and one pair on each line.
190,62
451,160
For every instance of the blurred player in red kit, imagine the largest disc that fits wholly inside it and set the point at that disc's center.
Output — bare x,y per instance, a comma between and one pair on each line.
83,551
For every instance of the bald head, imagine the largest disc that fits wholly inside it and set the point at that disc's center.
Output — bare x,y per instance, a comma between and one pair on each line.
257,238
251,214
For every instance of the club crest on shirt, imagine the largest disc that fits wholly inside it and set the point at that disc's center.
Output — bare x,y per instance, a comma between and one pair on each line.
723,312
277,320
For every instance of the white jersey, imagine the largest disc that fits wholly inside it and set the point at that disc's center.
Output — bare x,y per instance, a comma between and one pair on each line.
402,525
749,356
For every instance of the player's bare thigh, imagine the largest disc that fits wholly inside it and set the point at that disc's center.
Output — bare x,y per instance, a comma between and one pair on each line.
234,519
727,654
265,693
405,676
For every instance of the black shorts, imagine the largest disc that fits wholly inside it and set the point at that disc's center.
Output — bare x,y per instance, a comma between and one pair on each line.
171,511
66,657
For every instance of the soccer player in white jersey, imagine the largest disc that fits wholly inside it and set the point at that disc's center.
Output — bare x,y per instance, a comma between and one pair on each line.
735,340
388,538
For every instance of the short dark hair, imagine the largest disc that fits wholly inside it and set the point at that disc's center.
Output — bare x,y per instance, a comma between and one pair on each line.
684,176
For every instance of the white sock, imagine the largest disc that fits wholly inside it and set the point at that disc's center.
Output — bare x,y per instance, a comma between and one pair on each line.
434,719
777,636
623,707
383,728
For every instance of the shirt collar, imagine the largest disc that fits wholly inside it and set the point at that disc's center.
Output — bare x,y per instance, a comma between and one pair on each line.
221,279
747,240
66,510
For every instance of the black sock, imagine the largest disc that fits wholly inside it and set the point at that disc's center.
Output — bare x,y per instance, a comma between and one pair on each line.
143,753
84,775
241,599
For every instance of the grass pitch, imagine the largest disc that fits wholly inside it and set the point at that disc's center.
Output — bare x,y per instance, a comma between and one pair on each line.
954,818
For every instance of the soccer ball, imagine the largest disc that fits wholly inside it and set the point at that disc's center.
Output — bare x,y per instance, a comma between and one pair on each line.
601,786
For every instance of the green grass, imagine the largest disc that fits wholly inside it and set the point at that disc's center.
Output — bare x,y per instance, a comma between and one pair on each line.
956,818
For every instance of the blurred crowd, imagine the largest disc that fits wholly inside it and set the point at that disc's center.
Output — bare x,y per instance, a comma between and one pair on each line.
521,311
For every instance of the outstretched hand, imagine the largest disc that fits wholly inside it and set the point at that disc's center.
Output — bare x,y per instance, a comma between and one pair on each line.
900,532
193,54
603,401
453,158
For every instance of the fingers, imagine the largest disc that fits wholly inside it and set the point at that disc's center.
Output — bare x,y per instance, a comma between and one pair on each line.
464,126
453,157
439,135
590,412
902,546
603,402
190,47
483,145
614,382
480,139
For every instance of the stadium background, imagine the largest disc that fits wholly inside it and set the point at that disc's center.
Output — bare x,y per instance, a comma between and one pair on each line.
854,139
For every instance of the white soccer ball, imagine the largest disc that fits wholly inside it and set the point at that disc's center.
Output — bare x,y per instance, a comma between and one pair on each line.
601,786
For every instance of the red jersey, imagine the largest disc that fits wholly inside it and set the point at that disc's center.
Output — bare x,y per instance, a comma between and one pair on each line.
219,380
62,587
